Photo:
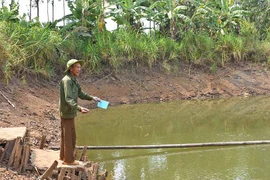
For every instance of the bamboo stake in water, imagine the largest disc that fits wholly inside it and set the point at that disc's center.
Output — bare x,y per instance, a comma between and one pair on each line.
208,144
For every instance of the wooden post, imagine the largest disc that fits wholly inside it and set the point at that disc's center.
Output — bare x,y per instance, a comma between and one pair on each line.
75,153
62,174
4,152
11,158
82,158
103,175
95,171
90,174
73,176
27,153
42,142
80,175
49,171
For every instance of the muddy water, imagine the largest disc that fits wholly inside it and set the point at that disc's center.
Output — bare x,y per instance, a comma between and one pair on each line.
234,119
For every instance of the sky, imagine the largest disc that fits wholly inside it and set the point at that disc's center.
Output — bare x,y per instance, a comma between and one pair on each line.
58,11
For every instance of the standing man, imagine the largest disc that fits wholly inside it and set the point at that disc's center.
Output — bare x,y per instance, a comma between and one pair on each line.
70,90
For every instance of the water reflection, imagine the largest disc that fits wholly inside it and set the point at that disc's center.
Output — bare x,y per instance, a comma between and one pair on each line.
235,119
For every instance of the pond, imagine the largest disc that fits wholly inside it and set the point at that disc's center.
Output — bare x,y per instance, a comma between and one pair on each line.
180,122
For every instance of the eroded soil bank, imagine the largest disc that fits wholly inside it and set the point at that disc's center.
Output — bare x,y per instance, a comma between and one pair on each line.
36,103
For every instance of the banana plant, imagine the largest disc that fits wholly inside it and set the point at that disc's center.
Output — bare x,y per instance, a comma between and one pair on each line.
128,13
170,14
84,14
12,14
218,16
259,15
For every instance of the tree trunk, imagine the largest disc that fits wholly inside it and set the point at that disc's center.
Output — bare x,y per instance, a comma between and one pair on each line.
37,3
52,10
48,17
64,13
172,28
30,10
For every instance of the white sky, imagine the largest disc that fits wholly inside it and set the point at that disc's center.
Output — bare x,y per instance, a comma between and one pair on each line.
58,12
58,9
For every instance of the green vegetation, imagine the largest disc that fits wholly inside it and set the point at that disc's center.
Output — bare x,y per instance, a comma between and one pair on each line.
201,32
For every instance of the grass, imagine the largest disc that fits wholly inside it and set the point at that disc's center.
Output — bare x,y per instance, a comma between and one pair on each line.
29,48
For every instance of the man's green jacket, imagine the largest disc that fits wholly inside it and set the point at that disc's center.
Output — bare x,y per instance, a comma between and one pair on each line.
70,90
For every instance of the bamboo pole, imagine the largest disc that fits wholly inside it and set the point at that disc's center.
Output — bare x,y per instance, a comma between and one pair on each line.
8,100
189,145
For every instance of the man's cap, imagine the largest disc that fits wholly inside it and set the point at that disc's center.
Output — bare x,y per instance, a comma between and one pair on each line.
73,61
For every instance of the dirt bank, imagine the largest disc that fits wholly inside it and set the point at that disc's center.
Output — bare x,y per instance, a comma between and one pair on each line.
37,101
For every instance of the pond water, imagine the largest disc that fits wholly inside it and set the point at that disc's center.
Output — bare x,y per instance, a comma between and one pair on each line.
180,122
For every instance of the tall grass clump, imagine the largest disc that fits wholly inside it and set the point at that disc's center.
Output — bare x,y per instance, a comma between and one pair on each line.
135,48
168,53
197,48
256,50
13,54
230,48
29,49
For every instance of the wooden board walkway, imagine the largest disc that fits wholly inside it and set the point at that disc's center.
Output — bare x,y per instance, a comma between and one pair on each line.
15,153
14,150
47,161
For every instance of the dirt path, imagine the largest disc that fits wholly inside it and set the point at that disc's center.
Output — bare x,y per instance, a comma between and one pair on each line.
37,102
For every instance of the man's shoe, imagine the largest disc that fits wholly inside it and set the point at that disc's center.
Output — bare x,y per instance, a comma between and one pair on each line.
72,163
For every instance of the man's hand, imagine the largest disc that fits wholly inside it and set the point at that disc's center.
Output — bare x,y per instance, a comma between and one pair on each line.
84,110
96,99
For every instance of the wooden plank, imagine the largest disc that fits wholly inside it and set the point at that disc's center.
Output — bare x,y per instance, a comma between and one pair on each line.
18,156
11,158
42,158
49,171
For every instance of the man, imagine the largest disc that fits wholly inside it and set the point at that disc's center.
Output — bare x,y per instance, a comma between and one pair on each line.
70,90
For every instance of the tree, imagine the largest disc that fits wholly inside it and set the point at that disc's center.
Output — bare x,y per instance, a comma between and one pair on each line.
37,6
48,17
